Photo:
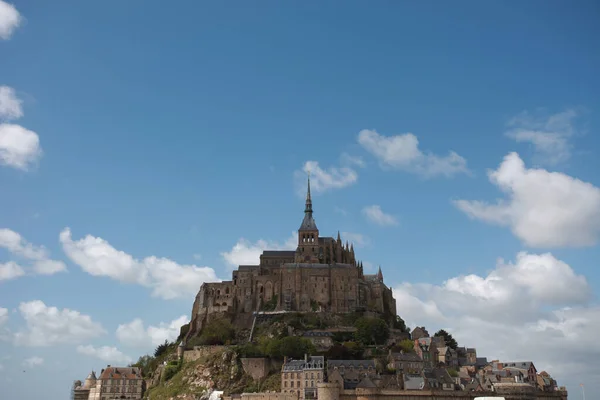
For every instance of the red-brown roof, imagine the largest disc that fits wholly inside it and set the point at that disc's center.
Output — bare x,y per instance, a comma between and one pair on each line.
121,373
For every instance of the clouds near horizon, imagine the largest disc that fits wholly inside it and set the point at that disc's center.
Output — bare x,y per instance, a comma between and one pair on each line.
535,308
166,278
543,209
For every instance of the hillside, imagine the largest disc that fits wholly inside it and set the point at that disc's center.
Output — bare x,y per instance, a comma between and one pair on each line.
274,338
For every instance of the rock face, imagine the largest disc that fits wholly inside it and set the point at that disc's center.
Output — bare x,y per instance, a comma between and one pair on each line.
197,379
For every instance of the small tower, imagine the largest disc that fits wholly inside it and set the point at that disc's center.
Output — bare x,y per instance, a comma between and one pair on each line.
180,350
90,381
308,234
380,275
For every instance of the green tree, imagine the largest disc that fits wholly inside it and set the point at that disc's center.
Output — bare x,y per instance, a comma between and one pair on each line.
161,349
400,324
217,331
145,364
290,346
407,346
450,342
371,331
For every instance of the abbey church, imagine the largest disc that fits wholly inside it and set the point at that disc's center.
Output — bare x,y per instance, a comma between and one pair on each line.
322,274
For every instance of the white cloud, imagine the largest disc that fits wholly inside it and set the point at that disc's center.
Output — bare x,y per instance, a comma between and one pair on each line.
543,209
33,362
135,334
47,326
376,215
165,277
536,308
340,210
347,159
402,152
18,246
10,105
105,353
549,135
246,253
10,19
19,147
358,239
322,180
10,270
3,315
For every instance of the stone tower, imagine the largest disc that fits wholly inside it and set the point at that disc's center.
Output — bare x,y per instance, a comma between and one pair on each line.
308,234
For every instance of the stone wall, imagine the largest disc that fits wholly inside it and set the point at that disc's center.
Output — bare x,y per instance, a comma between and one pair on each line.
269,396
201,351
374,394
259,368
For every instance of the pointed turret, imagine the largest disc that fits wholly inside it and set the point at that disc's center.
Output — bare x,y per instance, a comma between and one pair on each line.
308,235
380,274
308,223
339,239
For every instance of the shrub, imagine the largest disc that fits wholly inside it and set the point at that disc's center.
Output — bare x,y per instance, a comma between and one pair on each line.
371,331
217,332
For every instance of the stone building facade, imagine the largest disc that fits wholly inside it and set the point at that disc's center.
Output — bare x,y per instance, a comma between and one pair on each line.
301,377
322,274
119,383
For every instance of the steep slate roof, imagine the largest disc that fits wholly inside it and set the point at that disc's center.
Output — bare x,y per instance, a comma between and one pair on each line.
413,382
518,364
481,361
313,362
351,363
279,253
366,383
317,334
412,357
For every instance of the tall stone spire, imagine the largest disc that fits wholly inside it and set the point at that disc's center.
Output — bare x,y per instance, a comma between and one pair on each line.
308,206
308,223
380,274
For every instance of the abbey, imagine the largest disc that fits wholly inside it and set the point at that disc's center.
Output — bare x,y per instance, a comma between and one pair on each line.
322,274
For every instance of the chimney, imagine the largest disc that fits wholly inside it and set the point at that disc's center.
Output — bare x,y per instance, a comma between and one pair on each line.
305,357
285,359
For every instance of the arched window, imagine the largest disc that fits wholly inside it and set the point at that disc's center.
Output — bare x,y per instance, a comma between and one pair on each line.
226,290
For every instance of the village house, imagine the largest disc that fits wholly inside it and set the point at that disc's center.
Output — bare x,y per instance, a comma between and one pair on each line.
409,363
352,371
302,376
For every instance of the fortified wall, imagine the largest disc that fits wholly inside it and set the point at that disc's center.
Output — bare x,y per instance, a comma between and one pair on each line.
259,368
201,351
329,391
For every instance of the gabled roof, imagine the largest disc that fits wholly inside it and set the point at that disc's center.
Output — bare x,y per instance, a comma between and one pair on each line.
366,383
351,363
411,357
413,382
121,373
313,362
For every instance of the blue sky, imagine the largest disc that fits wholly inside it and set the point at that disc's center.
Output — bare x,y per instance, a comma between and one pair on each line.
147,147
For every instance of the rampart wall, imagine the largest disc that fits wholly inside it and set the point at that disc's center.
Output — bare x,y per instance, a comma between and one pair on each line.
201,351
